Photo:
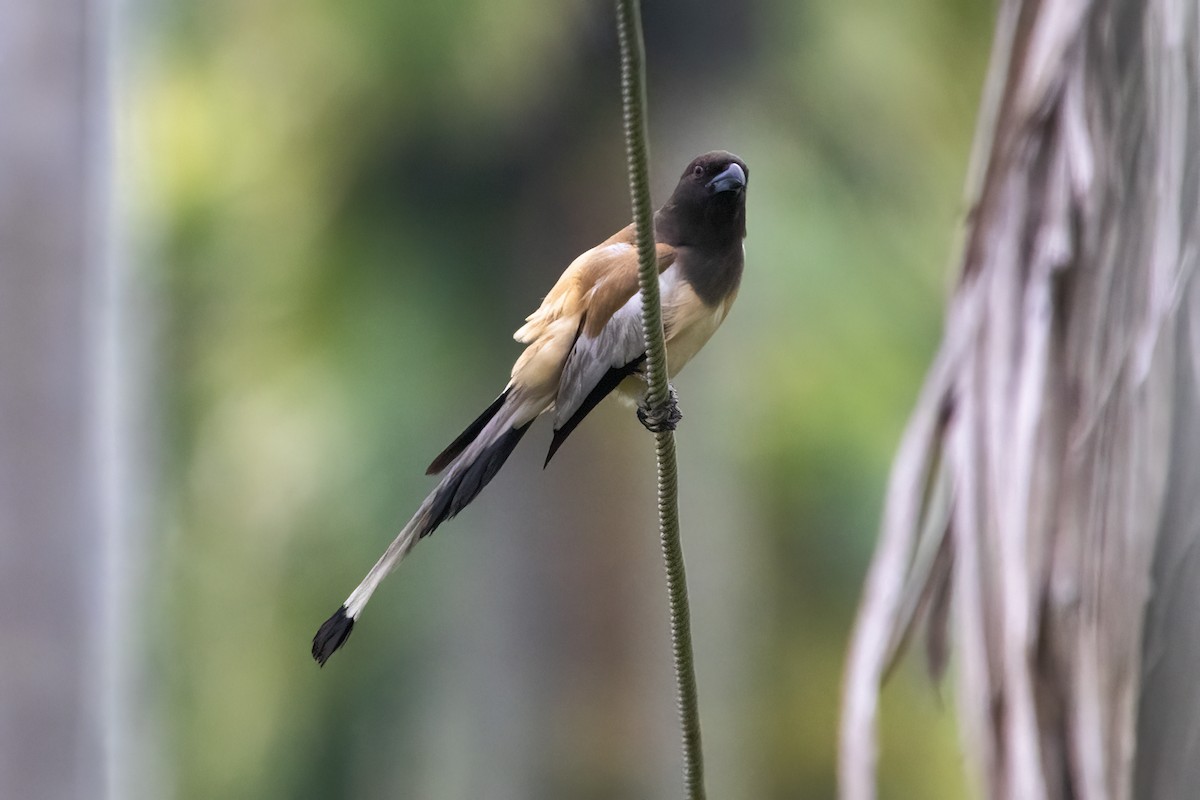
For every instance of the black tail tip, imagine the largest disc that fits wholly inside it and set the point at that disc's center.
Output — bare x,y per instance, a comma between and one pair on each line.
332,635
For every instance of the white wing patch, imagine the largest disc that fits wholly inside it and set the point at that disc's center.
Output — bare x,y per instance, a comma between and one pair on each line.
618,343
689,324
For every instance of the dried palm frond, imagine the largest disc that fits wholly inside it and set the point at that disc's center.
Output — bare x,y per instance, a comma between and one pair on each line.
1061,418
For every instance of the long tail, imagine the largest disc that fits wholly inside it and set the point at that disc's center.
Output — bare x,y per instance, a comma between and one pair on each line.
473,459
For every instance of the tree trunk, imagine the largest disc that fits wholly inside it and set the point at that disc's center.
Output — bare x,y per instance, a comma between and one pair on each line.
1047,482
53,313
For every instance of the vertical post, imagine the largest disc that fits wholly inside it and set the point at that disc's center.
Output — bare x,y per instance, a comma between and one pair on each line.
52,312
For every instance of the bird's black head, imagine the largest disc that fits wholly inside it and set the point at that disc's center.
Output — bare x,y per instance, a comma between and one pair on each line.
709,202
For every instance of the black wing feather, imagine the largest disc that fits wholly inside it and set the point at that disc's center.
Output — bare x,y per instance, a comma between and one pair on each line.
455,448
461,487
611,380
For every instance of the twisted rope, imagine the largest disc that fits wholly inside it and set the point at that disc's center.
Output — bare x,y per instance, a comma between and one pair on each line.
633,96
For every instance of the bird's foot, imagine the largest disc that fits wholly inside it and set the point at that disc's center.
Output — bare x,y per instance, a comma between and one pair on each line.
664,418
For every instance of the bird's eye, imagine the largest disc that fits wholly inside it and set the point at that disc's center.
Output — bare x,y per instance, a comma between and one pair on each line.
698,170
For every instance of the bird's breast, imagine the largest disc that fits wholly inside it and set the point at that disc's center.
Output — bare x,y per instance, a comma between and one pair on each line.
690,326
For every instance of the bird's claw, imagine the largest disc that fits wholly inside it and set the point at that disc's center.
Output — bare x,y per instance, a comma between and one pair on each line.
663,418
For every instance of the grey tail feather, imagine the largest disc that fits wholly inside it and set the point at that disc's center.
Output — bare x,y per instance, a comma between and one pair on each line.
457,489
462,486
611,380
332,635
455,448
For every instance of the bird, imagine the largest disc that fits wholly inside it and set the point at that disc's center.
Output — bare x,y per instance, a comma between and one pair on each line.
585,342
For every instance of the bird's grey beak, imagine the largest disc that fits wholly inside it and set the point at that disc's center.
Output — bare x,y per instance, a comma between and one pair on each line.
731,179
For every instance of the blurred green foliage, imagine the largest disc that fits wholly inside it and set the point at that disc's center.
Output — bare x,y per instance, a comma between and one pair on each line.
347,207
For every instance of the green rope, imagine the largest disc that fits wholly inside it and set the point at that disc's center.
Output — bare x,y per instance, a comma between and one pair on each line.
633,95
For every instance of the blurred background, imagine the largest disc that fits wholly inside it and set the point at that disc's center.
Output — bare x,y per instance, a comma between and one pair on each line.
334,215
